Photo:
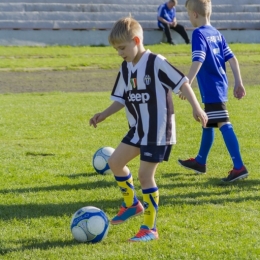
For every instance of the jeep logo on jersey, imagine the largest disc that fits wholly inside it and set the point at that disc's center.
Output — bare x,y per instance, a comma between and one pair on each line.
138,97
147,80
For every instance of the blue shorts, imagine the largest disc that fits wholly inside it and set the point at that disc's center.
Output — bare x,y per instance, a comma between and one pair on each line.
152,153
217,113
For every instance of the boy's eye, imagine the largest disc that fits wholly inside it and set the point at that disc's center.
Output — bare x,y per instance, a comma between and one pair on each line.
119,48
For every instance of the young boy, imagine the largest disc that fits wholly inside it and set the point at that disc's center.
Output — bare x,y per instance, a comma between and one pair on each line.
143,87
209,54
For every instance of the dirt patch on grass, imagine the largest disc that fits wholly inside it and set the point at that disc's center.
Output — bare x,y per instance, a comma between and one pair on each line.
65,81
88,80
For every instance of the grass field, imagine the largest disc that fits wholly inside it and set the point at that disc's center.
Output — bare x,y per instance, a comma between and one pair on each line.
46,148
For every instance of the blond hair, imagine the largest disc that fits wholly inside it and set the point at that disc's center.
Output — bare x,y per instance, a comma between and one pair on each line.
124,30
202,7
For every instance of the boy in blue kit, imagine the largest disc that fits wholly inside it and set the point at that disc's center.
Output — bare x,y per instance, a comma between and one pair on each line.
144,87
209,54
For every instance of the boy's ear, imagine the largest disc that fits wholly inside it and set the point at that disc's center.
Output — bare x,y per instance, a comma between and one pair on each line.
196,15
137,40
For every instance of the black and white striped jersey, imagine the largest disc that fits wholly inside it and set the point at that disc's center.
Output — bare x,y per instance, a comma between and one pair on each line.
146,92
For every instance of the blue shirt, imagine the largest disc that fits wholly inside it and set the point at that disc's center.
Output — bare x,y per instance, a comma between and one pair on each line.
210,48
166,13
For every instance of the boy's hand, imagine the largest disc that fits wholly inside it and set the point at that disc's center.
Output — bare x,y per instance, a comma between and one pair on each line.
97,118
101,116
181,96
200,116
239,91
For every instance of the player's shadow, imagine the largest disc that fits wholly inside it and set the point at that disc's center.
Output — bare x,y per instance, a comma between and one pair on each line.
204,193
34,210
33,244
103,182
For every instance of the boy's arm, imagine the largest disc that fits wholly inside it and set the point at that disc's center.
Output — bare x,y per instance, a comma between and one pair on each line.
99,117
198,113
239,90
194,69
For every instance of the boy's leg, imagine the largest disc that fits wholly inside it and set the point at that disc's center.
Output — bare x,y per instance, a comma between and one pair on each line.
150,200
181,30
131,206
151,156
207,139
199,163
239,171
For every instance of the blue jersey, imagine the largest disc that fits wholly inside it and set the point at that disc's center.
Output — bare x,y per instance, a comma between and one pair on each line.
166,13
210,48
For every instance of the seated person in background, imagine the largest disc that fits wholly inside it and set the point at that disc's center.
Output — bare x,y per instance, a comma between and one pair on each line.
166,17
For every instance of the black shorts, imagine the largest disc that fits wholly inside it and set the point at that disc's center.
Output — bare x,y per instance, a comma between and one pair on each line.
152,153
217,113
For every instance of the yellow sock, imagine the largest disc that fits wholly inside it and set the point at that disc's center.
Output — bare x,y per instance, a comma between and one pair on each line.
126,186
151,202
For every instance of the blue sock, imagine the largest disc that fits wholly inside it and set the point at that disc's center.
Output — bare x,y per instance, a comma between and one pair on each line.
205,145
232,145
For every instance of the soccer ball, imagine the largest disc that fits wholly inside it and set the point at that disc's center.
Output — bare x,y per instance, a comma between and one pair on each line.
100,160
89,224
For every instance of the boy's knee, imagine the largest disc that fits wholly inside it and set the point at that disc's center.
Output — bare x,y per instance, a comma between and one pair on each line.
225,127
111,162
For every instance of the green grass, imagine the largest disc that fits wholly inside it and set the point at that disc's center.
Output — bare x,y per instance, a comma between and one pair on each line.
69,58
46,149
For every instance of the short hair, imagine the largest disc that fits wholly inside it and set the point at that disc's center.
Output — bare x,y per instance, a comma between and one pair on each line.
174,1
124,30
202,7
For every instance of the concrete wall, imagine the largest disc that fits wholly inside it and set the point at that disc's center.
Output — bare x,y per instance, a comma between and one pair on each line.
87,22
98,37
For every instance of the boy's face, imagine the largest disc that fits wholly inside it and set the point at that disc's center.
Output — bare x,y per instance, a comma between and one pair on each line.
127,50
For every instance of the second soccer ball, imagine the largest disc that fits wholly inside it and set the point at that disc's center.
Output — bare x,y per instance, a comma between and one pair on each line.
100,160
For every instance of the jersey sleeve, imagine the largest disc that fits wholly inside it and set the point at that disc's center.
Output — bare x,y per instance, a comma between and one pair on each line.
228,54
118,92
199,47
173,13
169,76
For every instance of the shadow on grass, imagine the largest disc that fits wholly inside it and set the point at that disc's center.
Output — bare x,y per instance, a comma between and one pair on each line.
79,175
66,187
198,192
203,193
180,180
32,245
28,211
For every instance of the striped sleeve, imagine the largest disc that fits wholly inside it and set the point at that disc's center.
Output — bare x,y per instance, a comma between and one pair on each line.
228,54
198,56
199,46
169,76
118,90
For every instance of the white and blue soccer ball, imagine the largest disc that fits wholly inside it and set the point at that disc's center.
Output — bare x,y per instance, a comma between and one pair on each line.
100,159
89,224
